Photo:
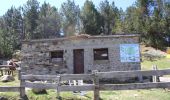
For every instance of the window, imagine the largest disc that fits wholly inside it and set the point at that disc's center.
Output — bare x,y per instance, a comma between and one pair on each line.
57,56
101,54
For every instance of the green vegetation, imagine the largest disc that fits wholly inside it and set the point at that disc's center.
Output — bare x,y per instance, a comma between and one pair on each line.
149,94
10,95
149,18
13,83
162,63
152,94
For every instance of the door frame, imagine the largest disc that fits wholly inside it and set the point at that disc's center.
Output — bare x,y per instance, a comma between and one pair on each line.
74,60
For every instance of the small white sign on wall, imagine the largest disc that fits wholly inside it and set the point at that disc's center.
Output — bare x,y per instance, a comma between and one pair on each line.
129,53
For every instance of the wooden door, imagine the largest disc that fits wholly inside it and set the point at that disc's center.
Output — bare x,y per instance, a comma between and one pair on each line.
78,61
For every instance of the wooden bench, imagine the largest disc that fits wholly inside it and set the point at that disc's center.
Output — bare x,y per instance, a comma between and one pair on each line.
5,70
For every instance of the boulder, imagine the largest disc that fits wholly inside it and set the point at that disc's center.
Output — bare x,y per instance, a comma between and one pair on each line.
7,78
39,91
3,98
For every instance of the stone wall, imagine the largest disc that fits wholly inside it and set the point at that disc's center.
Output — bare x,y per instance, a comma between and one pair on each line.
36,54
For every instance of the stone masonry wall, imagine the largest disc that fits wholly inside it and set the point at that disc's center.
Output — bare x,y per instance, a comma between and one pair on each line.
36,54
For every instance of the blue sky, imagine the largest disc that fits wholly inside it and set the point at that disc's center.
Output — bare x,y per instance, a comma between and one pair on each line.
6,4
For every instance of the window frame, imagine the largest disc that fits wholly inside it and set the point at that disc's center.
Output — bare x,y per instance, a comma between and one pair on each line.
100,50
57,56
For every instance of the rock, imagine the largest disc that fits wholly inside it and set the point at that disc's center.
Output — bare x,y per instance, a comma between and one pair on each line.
3,98
39,91
7,78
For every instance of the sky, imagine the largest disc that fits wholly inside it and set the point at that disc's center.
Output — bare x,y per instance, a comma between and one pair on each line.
6,4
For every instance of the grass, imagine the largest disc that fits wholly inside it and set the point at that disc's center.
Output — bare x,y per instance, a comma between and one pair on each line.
147,94
150,94
163,63
10,95
13,83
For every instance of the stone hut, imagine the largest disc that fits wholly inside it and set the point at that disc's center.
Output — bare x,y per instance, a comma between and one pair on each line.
81,54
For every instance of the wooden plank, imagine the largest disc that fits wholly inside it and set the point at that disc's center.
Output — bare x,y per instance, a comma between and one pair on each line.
119,74
5,69
55,77
22,90
1,72
39,77
5,66
96,83
133,86
40,85
58,92
60,88
65,77
9,89
77,88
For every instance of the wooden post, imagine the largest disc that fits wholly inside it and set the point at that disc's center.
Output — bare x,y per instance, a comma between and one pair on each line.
140,78
22,87
12,72
1,72
154,78
19,73
96,83
58,85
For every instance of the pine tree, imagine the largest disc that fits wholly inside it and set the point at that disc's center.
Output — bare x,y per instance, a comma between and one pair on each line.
70,17
31,13
48,22
11,31
91,19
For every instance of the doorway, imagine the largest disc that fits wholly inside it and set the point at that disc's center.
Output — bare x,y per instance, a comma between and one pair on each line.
78,61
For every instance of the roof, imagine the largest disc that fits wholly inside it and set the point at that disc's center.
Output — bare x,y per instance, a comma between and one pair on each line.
84,36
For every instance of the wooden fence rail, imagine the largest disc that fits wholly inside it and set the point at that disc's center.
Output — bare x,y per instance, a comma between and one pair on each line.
134,86
10,89
55,82
121,74
63,77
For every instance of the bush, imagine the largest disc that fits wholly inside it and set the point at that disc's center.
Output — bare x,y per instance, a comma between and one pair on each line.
17,55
